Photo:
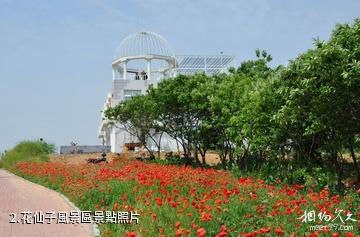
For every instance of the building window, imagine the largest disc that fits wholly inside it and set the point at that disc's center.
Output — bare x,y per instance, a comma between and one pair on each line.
130,93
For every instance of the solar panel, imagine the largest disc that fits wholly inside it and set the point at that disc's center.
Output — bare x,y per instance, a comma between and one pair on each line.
210,64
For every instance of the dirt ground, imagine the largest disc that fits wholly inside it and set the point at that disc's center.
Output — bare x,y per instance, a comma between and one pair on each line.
78,158
212,158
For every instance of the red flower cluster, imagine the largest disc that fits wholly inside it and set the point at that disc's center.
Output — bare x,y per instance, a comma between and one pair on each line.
182,201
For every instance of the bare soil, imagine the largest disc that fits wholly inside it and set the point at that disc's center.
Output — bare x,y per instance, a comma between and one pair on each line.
212,158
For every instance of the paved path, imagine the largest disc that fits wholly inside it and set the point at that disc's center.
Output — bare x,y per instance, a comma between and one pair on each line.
18,195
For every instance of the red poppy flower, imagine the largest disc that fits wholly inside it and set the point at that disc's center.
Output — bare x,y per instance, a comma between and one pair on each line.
194,226
265,230
131,234
279,231
177,224
201,232
221,234
116,205
179,232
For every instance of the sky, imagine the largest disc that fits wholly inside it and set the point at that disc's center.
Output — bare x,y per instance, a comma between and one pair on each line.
55,56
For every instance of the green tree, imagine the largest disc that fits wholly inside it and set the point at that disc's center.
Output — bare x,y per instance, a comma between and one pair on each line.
321,92
238,109
139,117
182,103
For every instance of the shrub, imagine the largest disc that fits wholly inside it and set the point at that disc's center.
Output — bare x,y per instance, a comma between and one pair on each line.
35,151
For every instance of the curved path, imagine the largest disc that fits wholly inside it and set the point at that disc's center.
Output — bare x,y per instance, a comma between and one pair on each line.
18,195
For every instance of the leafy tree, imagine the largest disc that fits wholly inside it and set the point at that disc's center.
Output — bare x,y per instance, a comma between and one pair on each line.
240,117
321,92
183,105
139,117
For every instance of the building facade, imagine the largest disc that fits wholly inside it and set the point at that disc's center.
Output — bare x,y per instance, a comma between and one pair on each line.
143,59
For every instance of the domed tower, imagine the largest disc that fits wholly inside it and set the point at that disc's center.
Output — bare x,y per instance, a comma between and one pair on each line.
143,56
142,59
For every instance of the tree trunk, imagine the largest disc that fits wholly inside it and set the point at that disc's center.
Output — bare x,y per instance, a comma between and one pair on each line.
224,154
186,155
151,153
177,146
246,159
196,151
356,167
243,160
231,153
339,171
159,147
203,153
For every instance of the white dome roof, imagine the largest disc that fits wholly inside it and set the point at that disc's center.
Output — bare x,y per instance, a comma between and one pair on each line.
144,43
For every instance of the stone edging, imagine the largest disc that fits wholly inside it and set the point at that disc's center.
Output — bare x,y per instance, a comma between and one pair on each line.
94,228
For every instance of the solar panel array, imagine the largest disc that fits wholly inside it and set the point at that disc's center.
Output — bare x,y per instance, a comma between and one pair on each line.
210,64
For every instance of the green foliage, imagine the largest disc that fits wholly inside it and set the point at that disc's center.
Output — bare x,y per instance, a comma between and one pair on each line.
292,121
321,91
183,103
35,151
138,116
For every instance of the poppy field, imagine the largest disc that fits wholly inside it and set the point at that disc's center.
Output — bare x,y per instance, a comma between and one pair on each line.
183,201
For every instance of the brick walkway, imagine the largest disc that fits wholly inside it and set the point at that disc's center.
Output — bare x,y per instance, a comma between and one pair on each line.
18,195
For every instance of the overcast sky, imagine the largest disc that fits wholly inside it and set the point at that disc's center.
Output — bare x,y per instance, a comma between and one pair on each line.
55,56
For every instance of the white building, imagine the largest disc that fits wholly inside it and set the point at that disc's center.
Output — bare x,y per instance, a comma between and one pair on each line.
142,59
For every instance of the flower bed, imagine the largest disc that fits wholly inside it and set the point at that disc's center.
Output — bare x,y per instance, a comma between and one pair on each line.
181,201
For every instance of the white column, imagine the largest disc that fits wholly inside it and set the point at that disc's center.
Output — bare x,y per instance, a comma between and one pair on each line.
125,71
113,73
113,139
149,68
